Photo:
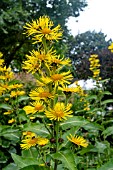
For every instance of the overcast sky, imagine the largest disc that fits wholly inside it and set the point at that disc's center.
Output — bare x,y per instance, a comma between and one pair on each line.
97,16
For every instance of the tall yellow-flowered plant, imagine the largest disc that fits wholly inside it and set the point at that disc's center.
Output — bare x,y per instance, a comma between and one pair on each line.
10,93
46,106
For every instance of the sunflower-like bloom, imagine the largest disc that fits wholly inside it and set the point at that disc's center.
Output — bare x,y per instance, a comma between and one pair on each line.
28,143
43,28
40,93
70,89
31,139
57,61
80,141
59,111
38,59
37,106
61,78
111,47
7,74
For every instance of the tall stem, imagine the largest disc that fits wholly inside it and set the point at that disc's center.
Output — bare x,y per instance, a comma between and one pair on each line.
57,144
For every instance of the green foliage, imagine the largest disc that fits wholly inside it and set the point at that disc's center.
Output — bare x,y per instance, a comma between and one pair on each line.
14,14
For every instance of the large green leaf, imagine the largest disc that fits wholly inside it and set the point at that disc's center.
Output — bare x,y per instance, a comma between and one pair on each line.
11,166
35,167
73,121
67,158
23,162
37,128
30,153
108,131
107,166
5,106
22,98
93,127
107,101
11,134
92,97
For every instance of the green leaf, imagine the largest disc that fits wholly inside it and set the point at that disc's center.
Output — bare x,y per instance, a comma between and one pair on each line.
5,106
92,97
100,146
93,127
107,101
108,131
37,128
107,93
22,98
23,162
11,134
11,166
31,153
3,157
67,159
107,166
73,121
35,167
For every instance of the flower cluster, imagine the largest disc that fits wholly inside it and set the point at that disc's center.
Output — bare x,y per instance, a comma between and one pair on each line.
31,139
47,67
43,28
94,65
9,91
111,47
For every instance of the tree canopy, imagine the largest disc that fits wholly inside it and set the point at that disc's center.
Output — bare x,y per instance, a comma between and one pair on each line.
15,13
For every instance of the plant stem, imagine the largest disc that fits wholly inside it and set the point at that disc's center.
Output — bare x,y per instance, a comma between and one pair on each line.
57,132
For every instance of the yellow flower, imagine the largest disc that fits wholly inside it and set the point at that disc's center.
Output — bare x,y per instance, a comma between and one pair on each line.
61,78
29,134
36,60
111,47
43,28
80,141
36,107
16,93
94,65
11,121
8,112
59,61
28,143
1,62
15,86
42,141
31,139
40,93
1,54
59,111
31,64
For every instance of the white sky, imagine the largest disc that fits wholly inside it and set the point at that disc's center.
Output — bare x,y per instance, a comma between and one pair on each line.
97,16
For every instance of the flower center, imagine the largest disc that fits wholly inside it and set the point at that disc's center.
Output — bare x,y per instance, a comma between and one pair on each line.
44,94
38,107
59,113
56,77
33,141
46,31
42,56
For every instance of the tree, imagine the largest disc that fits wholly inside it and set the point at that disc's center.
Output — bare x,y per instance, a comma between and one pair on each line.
15,13
82,47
